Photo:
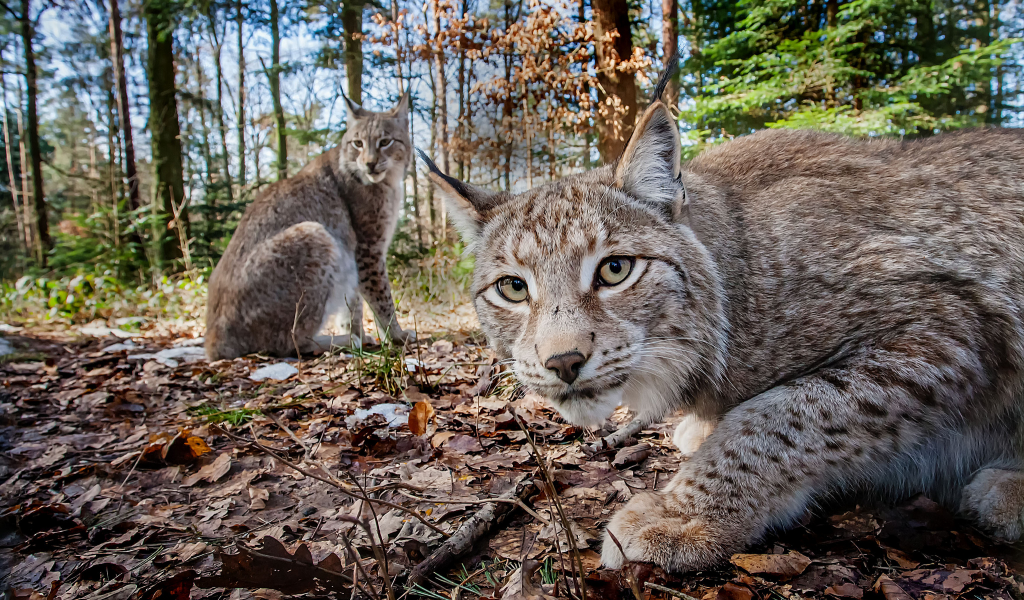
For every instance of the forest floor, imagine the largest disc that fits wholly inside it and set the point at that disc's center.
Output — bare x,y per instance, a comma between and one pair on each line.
130,467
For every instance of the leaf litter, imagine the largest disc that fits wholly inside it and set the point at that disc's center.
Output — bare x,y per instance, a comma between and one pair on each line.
133,468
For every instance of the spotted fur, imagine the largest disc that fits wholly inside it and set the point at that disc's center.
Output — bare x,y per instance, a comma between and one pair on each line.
310,248
848,311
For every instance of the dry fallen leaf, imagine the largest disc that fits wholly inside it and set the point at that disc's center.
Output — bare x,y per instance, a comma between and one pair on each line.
419,417
778,565
521,586
889,588
845,590
211,472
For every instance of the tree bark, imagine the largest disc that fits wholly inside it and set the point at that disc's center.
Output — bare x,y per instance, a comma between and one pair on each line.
670,47
240,21
275,91
221,125
441,87
24,218
352,30
611,17
35,152
123,108
168,180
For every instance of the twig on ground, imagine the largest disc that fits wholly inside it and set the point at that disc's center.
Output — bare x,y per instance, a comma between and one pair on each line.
515,501
669,591
378,551
354,557
630,575
581,586
467,535
336,484
617,437
277,421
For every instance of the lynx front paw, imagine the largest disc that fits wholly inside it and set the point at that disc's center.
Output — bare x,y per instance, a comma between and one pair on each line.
655,528
995,499
401,336
691,433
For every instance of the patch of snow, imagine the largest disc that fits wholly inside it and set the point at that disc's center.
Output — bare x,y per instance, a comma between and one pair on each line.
120,347
199,341
100,330
277,371
5,347
395,414
411,364
6,328
172,357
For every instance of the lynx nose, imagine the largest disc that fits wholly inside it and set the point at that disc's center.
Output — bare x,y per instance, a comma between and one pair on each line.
567,365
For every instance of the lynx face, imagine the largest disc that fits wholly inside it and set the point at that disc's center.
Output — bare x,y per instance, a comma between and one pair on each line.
376,144
594,286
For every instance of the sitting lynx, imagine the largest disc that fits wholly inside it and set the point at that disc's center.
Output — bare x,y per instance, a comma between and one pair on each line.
848,311
310,245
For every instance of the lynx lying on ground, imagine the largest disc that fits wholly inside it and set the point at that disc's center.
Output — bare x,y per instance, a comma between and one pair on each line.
849,311
310,245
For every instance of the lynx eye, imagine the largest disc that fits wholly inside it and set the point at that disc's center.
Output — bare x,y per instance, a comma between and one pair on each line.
512,289
384,143
614,270
357,143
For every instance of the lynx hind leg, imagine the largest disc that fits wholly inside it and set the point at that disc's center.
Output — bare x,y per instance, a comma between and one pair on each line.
995,500
691,433
281,291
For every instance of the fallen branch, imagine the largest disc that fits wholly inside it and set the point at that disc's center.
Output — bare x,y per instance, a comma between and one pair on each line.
617,437
471,531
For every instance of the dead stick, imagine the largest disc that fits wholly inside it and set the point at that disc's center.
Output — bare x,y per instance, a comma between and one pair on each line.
617,437
469,533
669,591
335,484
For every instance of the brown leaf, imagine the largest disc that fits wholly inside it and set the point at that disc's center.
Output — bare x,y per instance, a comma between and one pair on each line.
184,449
211,472
632,455
419,417
521,586
778,565
178,587
888,588
273,567
845,590
734,591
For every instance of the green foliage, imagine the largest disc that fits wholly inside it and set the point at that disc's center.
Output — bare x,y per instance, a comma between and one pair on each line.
384,366
88,296
236,417
863,67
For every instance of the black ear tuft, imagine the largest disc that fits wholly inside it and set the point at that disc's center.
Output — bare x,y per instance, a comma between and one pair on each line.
457,185
666,76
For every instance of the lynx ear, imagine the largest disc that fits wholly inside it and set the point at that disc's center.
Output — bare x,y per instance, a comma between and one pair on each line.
401,110
467,204
650,165
354,110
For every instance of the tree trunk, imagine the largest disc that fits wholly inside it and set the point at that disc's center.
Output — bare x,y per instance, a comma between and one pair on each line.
670,47
612,16
35,152
275,91
24,217
241,100
460,126
221,125
441,87
168,180
352,29
123,108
